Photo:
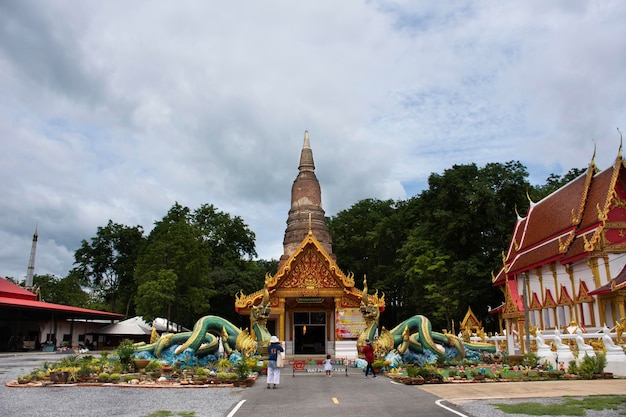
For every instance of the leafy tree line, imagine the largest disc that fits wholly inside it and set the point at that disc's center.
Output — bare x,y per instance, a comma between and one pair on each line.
432,254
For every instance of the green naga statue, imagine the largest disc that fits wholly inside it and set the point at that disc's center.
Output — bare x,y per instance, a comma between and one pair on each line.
412,335
204,339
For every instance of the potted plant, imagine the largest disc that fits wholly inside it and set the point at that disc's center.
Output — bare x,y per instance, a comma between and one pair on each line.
125,352
378,365
242,369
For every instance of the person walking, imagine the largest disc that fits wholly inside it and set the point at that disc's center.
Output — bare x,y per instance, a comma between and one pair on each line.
328,367
273,368
368,353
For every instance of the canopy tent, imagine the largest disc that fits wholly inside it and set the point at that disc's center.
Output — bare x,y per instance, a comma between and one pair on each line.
136,326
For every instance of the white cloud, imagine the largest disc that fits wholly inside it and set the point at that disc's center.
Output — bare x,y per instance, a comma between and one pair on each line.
115,110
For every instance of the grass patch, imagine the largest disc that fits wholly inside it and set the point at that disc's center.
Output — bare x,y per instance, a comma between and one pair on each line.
569,407
164,413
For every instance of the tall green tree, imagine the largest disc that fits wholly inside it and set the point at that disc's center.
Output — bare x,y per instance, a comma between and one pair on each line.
465,218
106,264
195,248
249,277
66,291
366,238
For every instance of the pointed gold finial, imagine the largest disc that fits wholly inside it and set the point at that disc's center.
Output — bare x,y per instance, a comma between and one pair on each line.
619,154
528,197
365,290
593,158
310,227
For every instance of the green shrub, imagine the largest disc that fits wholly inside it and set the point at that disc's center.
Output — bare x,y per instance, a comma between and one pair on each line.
115,377
125,352
599,362
104,376
154,366
412,371
587,367
531,359
224,365
225,376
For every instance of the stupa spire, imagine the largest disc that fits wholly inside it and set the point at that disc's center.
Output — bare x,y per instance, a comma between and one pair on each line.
306,213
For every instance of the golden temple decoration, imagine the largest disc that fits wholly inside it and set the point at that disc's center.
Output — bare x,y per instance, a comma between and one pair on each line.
510,309
504,265
590,244
591,171
564,246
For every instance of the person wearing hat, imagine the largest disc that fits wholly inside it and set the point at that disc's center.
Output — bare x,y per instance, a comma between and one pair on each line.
273,372
368,352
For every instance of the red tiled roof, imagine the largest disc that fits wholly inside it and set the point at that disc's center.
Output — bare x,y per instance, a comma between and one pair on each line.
548,228
607,288
553,215
546,252
598,193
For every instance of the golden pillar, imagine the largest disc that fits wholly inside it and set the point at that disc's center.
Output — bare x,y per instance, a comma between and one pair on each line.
281,319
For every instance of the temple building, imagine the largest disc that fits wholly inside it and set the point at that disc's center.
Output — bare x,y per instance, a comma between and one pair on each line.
315,306
565,263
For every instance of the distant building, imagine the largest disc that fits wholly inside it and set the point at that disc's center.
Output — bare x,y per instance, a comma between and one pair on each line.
568,254
28,323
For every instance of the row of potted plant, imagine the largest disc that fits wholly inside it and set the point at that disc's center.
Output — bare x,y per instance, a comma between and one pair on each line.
120,366
529,369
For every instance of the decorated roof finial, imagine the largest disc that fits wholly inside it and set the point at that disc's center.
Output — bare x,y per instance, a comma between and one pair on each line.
364,295
532,203
619,154
310,227
593,158
517,213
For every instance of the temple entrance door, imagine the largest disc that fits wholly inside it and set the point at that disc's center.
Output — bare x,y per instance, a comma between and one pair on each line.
309,333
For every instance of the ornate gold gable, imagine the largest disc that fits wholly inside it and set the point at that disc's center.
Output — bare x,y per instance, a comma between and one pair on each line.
510,309
470,321
564,298
549,300
583,294
535,304
309,272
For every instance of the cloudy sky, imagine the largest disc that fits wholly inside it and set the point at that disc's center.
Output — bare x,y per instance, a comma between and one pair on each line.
116,110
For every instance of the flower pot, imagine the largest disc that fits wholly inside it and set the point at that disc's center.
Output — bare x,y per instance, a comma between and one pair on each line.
140,364
59,377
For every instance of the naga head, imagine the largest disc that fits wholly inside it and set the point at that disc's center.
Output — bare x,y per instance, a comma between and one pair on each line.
261,312
369,310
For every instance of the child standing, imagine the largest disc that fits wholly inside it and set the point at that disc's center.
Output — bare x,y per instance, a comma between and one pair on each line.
328,366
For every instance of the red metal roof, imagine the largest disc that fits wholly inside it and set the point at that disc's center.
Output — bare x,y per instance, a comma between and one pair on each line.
8,289
14,296
58,308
